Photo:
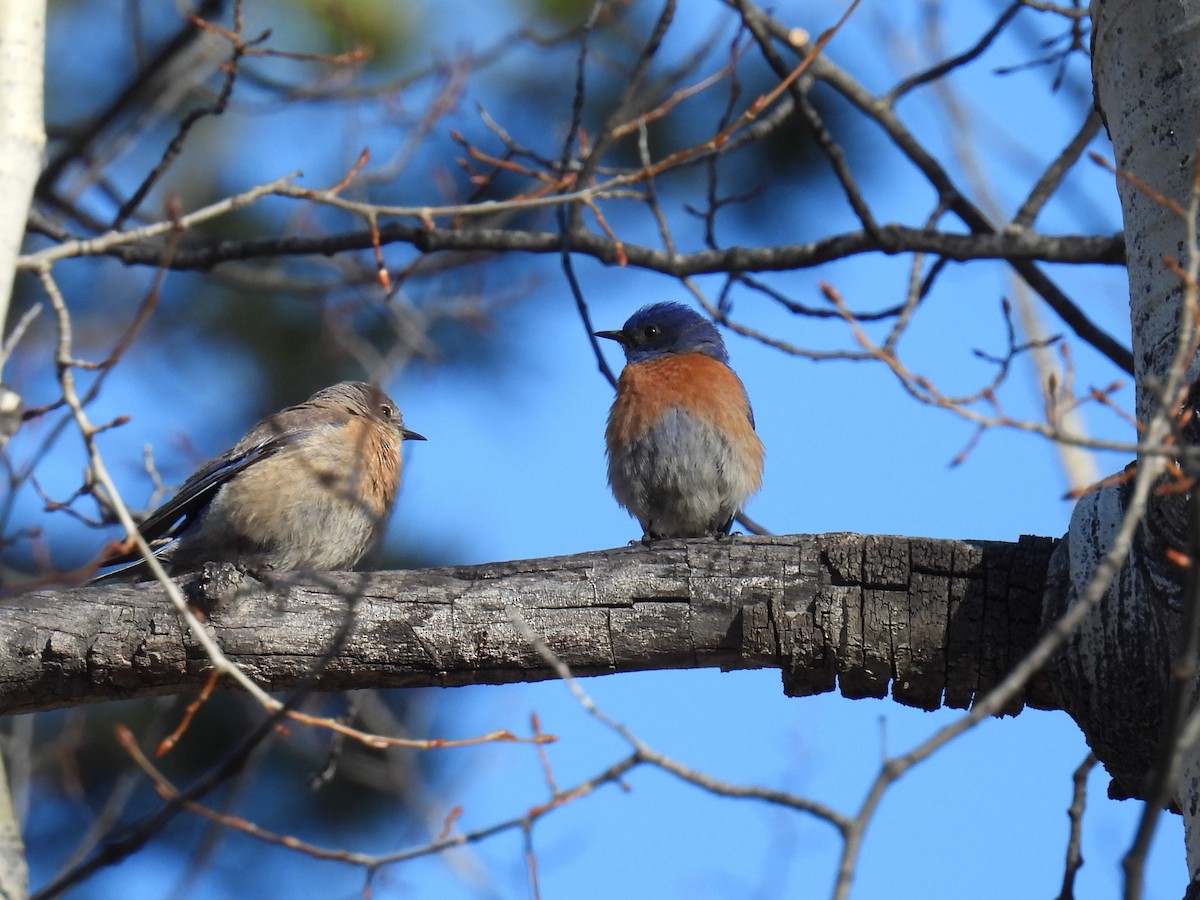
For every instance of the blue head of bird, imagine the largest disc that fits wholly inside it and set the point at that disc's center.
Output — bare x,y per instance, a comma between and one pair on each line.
666,328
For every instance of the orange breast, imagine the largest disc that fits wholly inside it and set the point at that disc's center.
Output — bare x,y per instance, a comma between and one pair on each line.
697,383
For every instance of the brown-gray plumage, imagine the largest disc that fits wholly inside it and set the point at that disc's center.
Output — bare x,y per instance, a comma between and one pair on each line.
310,487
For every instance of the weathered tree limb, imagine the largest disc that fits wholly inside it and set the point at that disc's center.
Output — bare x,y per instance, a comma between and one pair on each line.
889,238
936,620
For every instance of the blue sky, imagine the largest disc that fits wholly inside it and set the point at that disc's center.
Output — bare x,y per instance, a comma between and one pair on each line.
514,468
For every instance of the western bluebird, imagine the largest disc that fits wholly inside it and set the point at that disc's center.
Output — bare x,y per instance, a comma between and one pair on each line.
309,487
683,455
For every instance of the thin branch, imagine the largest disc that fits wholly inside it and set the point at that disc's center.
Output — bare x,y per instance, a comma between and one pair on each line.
372,862
1074,858
67,382
996,699
765,28
173,49
644,753
175,147
112,241
946,66
18,332
1057,171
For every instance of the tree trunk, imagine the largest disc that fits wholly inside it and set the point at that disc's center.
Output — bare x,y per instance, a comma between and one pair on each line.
22,133
1146,70
22,139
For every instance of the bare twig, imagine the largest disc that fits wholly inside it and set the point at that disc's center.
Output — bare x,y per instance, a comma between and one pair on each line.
1074,857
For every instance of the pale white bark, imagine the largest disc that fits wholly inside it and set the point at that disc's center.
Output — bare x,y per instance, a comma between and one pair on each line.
1146,66
22,132
14,874
22,140
1147,75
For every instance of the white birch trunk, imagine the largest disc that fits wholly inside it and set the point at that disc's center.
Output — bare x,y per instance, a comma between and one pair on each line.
22,140
1146,66
22,131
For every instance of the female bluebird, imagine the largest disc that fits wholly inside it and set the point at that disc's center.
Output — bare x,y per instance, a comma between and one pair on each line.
309,487
683,455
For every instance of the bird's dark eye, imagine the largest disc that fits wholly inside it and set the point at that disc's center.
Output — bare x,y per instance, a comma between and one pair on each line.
386,411
650,332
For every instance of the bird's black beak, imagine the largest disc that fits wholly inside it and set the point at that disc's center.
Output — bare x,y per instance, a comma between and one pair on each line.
618,336
407,434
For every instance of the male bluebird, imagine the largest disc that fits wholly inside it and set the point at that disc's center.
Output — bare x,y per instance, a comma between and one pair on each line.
683,455
309,487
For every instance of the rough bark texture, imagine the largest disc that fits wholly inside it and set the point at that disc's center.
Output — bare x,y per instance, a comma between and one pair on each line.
1146,72
927,619
1112,674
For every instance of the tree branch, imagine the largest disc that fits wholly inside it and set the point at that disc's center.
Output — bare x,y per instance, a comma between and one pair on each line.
927,618
1008,245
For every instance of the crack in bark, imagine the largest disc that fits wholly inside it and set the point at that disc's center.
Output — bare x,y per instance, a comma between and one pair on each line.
877,615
